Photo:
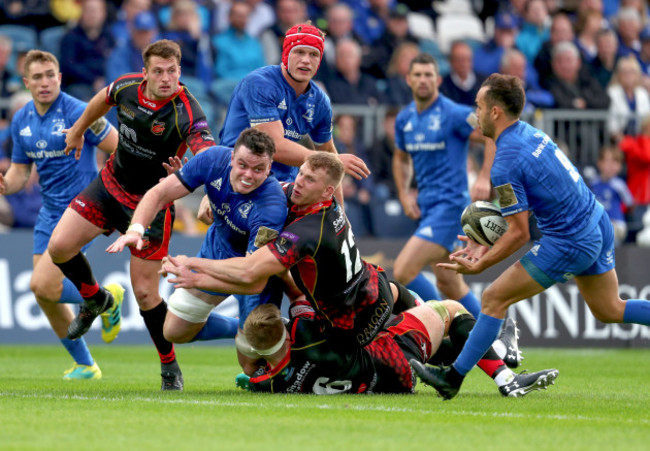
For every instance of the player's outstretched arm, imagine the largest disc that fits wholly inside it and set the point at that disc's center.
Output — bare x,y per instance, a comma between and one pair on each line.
168,190
512,240
15,179
96,108
238,275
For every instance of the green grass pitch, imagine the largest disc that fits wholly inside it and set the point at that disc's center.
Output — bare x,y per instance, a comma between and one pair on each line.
601,400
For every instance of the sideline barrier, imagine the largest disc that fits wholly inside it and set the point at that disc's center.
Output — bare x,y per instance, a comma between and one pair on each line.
556,318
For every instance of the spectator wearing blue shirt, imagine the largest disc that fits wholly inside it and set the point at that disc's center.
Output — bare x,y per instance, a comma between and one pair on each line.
628,27
370,18
237,53
534,29
121,27
84,50
612,191
487,57
127,57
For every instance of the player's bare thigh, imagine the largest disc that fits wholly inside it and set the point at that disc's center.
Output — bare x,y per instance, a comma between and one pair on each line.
601,294
145,281
513,285
415,255
71,234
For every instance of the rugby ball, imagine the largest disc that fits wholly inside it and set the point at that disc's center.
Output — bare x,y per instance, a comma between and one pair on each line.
482,222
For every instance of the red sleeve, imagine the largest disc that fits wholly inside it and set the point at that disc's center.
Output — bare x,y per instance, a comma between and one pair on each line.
636,149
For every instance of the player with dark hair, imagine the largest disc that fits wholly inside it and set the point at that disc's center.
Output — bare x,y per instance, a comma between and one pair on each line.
284,102
432,136
301,358
317,246
159,119
37,132
249,209
530,173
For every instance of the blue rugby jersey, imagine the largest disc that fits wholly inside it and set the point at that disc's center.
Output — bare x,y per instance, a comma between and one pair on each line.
531,173
242,222
437,140
265,96
40,140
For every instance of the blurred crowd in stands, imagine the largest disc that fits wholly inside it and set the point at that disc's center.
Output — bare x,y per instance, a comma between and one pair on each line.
570,54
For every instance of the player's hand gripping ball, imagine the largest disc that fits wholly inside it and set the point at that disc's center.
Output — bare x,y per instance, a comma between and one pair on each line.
482,222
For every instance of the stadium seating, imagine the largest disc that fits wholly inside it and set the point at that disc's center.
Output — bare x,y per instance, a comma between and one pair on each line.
452,27
421,26
24,38
50,39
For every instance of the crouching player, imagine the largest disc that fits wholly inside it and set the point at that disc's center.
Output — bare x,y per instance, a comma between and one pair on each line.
302,358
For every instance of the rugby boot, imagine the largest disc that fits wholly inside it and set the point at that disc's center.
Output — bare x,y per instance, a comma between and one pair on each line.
79,372
112,318
88,311
445,379
524,383
510,338
172,377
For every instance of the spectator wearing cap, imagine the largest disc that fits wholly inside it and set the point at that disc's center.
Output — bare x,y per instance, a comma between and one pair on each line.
396,33
237,53
121,26
561,30
534,29
487,57
628,27
127,57
462,83
644,56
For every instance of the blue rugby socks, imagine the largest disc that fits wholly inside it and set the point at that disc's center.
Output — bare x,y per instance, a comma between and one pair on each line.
424,288
70,294
480,340
471,303
637,311
78,350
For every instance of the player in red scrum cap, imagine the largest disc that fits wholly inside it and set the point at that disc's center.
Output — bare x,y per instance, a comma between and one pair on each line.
284,102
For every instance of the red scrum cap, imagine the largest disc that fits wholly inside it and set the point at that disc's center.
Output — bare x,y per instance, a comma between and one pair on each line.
302,35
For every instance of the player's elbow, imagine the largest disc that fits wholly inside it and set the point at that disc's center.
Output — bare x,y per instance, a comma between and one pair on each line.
252,281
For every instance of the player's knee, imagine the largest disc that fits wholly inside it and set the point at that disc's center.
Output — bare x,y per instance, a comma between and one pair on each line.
609,314
491,303
403,275
147,297
43,290
175,335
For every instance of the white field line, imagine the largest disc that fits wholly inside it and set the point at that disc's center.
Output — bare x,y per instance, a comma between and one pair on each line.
346,407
